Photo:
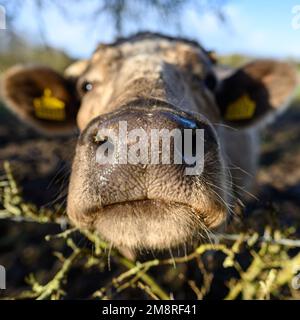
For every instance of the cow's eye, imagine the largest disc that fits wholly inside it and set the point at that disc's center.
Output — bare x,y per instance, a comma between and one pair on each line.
210,81
86,86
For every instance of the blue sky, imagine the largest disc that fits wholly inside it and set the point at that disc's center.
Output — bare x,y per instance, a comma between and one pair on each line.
260,28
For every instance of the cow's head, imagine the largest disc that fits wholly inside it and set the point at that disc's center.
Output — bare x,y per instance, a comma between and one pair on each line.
148,82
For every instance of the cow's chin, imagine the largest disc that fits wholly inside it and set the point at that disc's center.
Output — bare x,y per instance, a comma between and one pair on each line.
154,224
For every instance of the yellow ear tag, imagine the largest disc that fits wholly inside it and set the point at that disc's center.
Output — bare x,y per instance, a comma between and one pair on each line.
241,109
49,108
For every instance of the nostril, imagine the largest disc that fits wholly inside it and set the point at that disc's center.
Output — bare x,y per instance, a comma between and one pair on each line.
190,146
105,148
193,143
100,139
105,153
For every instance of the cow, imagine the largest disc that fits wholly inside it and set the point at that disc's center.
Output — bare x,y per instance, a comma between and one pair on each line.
154,82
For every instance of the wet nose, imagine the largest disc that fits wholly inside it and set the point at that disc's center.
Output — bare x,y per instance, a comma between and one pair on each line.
135,148
148,129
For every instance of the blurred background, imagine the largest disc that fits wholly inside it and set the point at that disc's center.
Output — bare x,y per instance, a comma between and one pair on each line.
55,33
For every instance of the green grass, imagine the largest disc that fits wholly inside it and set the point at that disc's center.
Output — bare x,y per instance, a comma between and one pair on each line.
269,271
20,52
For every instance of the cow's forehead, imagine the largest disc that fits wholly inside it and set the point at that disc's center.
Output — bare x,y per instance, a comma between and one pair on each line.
152,45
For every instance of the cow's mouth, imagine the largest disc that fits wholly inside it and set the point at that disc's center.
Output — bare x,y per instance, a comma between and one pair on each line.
153,223
142,206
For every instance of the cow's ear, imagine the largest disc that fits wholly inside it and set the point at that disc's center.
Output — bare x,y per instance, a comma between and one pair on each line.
41,97
256,91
